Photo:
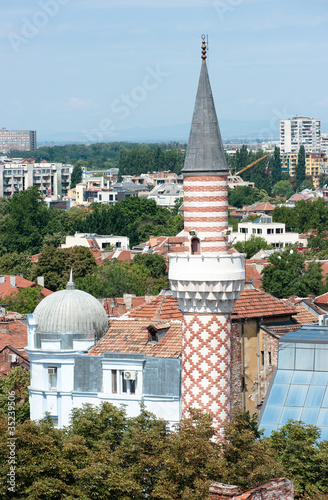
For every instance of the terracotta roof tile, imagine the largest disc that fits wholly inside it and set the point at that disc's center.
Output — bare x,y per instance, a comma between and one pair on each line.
253,276
161,307
258,304
303,316
6,289
322,299
131,335
13,333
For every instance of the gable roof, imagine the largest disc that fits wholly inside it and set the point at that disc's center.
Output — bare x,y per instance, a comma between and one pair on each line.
258,304
161,307
6,288
131,335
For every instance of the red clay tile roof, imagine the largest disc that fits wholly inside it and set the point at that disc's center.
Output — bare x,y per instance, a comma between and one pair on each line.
280,330
303,316
258,304
6,289
322,299
13,333
131,335
253,276
259,207
161,307
119,307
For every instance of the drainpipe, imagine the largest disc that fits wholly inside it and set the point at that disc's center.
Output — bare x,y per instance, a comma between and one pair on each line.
258,362
243,362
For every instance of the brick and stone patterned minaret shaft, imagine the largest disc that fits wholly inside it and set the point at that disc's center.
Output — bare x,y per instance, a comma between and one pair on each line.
206,279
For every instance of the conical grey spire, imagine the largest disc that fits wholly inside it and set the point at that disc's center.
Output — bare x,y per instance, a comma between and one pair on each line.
205,153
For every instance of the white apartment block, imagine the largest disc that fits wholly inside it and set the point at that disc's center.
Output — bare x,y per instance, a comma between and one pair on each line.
97,241
22,140
274,233
300,131
52,179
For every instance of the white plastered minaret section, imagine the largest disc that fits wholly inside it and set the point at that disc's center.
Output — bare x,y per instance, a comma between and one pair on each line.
206,279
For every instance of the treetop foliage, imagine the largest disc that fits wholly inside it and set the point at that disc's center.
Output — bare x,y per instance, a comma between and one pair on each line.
105,454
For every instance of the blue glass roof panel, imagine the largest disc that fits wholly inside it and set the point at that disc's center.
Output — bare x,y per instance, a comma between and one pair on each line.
290,412
278,394
296,395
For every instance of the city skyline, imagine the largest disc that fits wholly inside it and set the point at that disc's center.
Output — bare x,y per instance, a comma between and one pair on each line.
97,68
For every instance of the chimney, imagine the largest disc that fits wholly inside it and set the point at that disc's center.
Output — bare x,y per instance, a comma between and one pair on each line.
13,281
127,297
2,280
152,241
219,491
40,280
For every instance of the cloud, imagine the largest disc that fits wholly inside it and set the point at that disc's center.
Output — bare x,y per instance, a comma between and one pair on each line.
75,102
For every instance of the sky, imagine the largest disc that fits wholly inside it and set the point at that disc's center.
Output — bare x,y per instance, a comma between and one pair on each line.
101,69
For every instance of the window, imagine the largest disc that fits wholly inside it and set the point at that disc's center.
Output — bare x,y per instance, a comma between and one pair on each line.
269,358
259,231
262,358
254,231
270,231
124,384
114,381
118,244
52,377
279,230
132,386
244,230
195,246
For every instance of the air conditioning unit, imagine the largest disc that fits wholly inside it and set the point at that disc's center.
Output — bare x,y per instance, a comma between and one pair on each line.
12,358
129,375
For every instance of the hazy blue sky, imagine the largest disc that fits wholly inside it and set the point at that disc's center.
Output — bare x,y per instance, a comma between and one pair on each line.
96,66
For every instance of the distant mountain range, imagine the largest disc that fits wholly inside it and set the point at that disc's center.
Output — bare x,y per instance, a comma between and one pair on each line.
257,130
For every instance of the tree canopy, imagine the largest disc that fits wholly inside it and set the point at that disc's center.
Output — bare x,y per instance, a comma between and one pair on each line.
288,275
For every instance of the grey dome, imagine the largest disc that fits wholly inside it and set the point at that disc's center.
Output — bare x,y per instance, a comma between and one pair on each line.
71,311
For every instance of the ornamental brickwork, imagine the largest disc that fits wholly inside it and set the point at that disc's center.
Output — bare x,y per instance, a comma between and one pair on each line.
206,361
207,215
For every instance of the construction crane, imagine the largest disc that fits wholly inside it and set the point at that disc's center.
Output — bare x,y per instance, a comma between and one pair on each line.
248,166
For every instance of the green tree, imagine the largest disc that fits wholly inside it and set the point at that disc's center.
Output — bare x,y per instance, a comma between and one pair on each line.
244,195
55,265
15,383
275,166
283,189
300,168
25,300
253,245
247,459
76,176
288,275
295,446
16,263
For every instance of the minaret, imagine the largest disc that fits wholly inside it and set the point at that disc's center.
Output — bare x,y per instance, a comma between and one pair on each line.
206,279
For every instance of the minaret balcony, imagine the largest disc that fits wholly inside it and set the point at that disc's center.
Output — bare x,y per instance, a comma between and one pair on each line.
207,284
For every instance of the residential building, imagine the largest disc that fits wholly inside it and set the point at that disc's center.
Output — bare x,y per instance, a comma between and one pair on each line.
315,164
98,241
274,233
21,140
324,144
166,194
52,179
300,131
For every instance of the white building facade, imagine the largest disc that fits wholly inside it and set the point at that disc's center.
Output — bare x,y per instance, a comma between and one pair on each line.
300,131
52,179
66,373
274,233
